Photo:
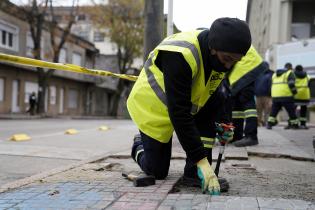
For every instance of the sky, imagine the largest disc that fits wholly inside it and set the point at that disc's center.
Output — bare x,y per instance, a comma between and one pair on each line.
190,14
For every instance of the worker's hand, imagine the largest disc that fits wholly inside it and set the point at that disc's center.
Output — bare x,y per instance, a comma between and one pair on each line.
209,181
224,135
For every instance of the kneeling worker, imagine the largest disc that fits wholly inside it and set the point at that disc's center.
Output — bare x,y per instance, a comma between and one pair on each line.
180,76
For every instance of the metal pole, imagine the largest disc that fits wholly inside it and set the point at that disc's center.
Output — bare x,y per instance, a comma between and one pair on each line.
153,25
170,18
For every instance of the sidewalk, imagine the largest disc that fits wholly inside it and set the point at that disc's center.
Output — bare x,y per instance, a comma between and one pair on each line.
97,184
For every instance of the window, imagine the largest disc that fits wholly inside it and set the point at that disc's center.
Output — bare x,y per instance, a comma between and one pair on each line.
73,99
63,55
81,17
9,36
1,89
99,36
52,91
76,59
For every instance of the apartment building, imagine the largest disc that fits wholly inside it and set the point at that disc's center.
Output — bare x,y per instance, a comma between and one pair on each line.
68,93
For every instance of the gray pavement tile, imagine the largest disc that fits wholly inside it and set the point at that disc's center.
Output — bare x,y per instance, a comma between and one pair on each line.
233,203
133,205
165,208
100,204
237,153
279,203
139,197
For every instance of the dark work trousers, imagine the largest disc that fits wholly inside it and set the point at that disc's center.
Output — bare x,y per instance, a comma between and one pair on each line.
289,107
244,109
155,157
302,114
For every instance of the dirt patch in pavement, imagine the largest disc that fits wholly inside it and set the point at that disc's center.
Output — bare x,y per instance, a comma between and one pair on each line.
266,178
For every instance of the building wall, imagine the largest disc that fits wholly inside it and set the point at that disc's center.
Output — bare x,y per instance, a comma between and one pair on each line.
97,104
22,29
90,95
271,21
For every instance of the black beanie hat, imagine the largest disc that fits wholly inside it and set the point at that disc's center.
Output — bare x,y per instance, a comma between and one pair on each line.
230,35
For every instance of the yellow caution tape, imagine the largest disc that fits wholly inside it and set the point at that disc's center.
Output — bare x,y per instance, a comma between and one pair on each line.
61,66
20,137
71,131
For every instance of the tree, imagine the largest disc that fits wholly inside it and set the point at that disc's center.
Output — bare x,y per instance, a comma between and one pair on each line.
35,15
124,24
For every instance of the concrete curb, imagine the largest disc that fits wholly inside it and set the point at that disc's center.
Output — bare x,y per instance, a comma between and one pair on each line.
273,155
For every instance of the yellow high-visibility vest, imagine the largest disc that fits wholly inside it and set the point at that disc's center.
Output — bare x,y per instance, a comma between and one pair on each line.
251,60
280,87
303,91
147,103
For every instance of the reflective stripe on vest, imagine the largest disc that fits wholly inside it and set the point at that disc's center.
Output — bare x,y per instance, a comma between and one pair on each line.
152,81
303,91
185,44
280,87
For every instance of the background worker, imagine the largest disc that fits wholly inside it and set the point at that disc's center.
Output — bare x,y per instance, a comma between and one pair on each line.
242,83
32,102
282,91
302,98
172,93
263,96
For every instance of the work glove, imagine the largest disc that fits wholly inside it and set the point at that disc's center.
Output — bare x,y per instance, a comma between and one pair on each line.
224,135
209,181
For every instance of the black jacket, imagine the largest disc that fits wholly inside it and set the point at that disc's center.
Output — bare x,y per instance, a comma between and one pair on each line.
263,84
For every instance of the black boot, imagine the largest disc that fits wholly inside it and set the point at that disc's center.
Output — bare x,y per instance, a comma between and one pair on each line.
247,141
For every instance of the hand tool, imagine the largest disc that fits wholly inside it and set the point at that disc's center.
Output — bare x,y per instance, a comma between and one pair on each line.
141,180
223,127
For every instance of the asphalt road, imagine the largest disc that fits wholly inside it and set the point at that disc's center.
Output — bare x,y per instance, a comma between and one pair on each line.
50,147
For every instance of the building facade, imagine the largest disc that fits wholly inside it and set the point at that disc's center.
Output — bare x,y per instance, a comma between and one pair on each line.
68,93
279,21
284,31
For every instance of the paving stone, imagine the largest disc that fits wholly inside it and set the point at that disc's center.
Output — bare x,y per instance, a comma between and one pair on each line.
165,208
6,205
139,197
236,153
134,205
231,202
278,203
100,205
